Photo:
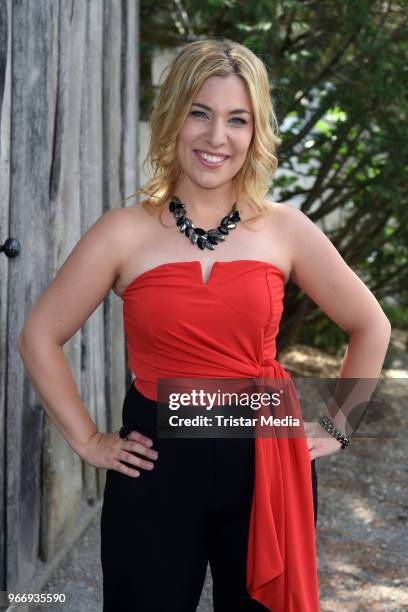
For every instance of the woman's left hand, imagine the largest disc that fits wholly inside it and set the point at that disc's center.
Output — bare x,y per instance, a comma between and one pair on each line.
319,441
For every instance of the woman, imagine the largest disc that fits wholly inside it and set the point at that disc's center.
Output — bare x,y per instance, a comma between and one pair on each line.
245,505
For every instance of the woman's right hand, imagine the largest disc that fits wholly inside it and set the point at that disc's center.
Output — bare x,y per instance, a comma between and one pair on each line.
107,450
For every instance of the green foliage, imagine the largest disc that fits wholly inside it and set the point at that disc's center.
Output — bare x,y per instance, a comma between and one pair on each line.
397,316
324,335
338,71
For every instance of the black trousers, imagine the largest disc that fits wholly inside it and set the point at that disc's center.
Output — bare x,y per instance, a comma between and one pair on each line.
160,530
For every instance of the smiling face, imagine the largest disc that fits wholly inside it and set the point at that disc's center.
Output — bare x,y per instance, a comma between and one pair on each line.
213,142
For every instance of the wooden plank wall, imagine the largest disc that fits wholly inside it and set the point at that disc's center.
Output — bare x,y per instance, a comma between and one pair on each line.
68,153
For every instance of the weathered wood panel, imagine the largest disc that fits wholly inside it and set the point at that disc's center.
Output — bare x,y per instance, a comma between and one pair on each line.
71,103
5,94
62,471
32,105
112,79
91,163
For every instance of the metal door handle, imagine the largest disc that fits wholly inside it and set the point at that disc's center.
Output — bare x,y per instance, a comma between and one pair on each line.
11,247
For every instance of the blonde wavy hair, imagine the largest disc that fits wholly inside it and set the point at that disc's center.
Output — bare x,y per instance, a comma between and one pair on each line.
195,63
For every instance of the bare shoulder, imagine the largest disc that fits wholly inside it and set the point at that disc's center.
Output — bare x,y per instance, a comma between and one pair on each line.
285,213
293,229
127,227
303,239
128,219
278,213
85,277
320,272
279,229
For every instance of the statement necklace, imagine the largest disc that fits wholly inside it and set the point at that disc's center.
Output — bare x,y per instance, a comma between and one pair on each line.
202,238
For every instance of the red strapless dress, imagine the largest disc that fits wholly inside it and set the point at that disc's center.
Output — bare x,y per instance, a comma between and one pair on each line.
178,326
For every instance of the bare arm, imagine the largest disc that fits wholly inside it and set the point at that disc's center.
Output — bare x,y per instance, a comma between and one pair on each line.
80,285
52,379
78,288
320,271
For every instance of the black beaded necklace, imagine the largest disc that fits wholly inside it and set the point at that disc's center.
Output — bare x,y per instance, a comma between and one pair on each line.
202,238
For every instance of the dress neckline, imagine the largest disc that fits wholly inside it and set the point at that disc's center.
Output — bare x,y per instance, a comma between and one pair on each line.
196,263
